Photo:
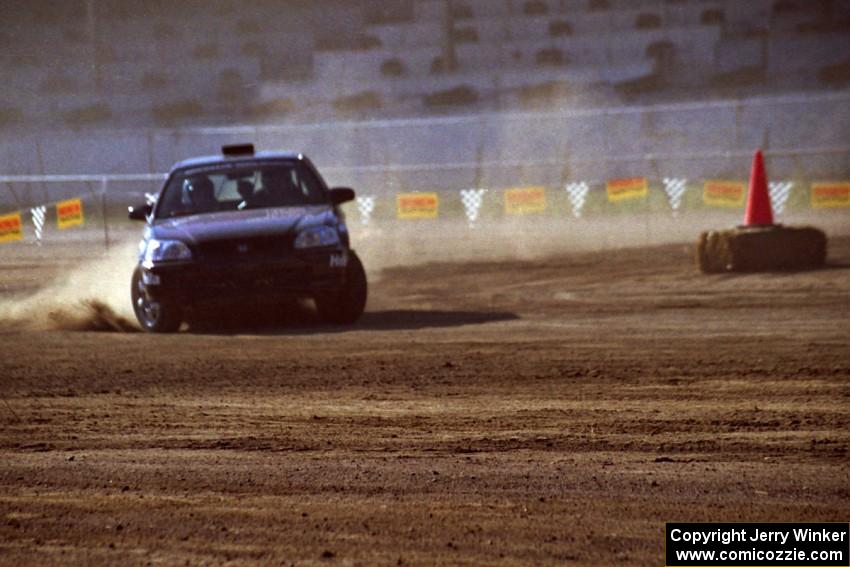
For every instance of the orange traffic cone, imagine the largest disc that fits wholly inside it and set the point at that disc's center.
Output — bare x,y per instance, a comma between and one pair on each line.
759,212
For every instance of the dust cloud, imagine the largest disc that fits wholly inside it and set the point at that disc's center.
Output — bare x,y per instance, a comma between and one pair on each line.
92,295
400,243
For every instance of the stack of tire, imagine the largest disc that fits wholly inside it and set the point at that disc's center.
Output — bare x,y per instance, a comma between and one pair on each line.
761,249
760,245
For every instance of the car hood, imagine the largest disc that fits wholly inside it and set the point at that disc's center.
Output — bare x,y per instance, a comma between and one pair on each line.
197,229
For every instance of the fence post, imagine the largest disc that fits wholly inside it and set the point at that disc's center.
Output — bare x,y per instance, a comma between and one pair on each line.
104,182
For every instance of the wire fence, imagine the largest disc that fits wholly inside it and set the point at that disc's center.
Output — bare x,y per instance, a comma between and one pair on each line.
101,201
476,169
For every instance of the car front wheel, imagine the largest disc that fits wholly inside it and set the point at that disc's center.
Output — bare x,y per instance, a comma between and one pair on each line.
346,306
153,316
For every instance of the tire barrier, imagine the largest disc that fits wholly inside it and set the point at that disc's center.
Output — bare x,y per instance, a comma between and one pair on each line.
761,245
760,249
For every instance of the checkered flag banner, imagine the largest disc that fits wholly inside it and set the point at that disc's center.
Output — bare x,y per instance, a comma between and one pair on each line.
577,193
38,215
779,193
365,206
675,189
472,200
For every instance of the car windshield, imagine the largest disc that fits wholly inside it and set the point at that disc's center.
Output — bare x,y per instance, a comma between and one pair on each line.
235,187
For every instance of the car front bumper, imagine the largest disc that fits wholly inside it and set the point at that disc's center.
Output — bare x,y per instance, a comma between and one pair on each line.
300,275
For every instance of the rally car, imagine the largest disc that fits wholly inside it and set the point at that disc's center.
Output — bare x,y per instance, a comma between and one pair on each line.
242,227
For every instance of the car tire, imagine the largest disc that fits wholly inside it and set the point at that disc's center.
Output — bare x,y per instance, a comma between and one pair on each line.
346,306
153,316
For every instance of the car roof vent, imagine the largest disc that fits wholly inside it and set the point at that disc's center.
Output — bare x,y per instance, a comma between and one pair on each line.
238,150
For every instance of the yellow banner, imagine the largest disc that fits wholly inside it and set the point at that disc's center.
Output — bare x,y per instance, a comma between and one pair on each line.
830,195
69,213
11,228
719,193
417,205
525,200
624,189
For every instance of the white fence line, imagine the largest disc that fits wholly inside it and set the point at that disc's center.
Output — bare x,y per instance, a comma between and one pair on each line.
378,168
93,178
795,98
786,152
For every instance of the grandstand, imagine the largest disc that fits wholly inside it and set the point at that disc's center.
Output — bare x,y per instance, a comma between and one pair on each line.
114,63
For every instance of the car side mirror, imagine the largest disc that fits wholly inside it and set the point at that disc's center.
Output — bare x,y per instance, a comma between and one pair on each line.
340,195
139,212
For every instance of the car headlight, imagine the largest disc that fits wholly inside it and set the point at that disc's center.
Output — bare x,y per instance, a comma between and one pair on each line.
165,251
317,236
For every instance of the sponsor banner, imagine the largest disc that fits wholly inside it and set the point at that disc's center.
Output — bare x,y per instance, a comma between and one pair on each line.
625,189
69,213
417,205
829,195
11,228
525,200
718,193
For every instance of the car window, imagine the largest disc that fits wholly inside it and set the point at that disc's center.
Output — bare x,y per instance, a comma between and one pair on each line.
307,182
232,188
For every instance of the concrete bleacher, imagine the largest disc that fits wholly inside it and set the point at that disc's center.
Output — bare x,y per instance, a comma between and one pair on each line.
232,57
602,46
408,36
795,54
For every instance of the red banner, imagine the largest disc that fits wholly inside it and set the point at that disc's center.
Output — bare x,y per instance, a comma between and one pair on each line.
830,195
724,193
69,213
625,189
525,200
417,205
11,228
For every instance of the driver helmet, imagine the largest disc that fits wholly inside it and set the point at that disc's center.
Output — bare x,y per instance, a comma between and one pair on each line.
198,190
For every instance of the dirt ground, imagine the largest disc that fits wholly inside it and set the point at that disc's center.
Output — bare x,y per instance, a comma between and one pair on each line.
549,411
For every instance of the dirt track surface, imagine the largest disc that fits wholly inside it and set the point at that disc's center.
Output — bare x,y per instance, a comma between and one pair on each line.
516,413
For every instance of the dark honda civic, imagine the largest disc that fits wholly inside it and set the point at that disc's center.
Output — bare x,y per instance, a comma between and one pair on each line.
241,228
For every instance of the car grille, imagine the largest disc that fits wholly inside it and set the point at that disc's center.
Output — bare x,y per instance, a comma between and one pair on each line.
256,278
238,279
238,249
